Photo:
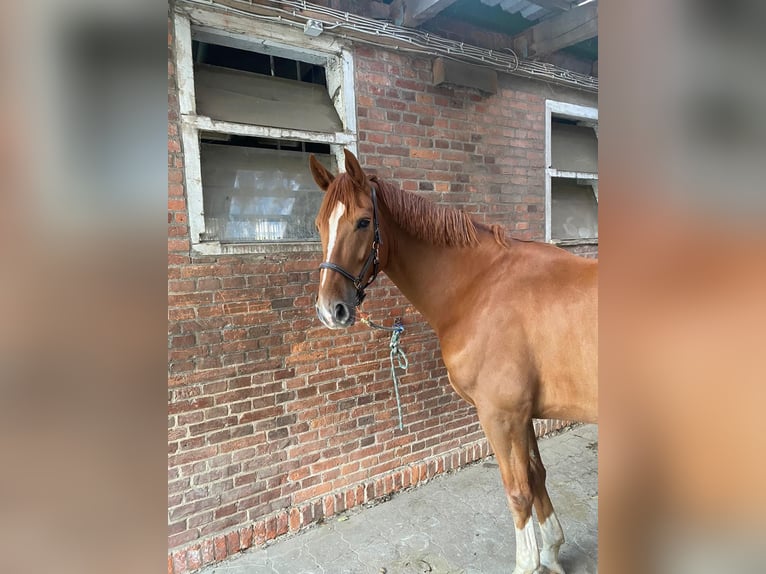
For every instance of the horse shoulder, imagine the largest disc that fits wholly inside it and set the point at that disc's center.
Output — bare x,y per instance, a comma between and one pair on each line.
489,357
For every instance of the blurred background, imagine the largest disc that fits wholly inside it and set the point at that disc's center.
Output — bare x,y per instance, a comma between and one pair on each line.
683,279
83,285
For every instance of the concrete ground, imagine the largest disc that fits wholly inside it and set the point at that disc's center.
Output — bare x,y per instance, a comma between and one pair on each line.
455,524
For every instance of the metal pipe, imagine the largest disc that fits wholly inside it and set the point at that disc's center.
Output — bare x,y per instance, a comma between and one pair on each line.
371,31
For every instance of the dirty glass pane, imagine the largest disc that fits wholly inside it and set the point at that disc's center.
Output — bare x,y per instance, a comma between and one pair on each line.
574,210
574,148
253,194
236,96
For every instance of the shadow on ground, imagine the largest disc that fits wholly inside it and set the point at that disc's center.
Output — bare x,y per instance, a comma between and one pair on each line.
455,524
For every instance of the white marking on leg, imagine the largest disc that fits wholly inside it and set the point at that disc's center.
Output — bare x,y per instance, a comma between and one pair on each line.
527,557
335,216
553,538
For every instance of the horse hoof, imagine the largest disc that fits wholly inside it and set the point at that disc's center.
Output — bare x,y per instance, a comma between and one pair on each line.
549,561
551,568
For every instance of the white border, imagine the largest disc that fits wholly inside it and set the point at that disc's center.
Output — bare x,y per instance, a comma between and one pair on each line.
575,112
277,39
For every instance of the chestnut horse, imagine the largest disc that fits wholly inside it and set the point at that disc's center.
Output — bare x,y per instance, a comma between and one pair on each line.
516,320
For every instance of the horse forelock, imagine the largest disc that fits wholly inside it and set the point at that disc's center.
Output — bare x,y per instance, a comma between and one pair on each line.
342,190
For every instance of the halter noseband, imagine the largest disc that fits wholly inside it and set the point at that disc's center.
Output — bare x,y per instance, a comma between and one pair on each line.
372,259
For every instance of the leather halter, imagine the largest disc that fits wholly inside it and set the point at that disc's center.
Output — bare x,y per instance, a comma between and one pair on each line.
372,259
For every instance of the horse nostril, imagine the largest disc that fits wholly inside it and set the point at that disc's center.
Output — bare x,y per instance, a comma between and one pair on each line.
341,313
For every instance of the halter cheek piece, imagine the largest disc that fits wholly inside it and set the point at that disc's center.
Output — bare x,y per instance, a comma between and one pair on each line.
372,259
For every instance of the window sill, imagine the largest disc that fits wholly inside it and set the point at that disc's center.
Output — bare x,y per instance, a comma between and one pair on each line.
574,242
218,248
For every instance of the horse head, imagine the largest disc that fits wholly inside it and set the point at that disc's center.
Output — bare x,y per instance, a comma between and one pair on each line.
348,227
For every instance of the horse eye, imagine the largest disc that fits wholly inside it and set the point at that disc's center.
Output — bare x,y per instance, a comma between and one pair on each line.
362,223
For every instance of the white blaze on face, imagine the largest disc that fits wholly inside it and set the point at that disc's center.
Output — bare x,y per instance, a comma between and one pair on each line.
335,216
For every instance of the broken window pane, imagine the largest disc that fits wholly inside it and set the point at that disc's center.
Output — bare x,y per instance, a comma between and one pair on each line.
258,188
256,62
574,147
574,210
257,99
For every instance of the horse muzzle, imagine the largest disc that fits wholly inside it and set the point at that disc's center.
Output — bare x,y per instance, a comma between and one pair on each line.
336,314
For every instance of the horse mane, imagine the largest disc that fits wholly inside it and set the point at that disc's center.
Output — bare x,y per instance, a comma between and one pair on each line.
428,221
421,217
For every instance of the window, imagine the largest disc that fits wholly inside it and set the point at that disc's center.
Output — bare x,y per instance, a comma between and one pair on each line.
571,173
254,104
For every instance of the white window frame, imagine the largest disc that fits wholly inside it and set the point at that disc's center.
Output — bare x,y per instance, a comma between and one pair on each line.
574,112
277,39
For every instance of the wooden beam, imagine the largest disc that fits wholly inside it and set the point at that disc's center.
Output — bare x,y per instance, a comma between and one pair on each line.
553,34
570,62
412,13
469,33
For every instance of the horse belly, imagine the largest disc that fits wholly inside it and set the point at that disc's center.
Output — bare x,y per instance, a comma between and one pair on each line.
568,396
583,412
565,344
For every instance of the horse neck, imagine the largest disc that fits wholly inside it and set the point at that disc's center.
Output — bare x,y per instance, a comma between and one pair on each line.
431,277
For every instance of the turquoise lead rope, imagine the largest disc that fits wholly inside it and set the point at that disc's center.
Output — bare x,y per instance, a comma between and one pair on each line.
402,363
396,357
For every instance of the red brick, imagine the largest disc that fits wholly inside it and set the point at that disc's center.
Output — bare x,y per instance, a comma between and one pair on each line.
424,153
270,528
259,536
194,558
313,492
375,125
328,506
232,543
350,501
207,551
220,547
178,245
179,562
191,456
282,523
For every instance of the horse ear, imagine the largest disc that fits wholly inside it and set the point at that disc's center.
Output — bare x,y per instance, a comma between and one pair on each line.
320,173
354,169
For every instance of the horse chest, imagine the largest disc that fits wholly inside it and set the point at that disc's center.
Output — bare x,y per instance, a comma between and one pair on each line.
461,370
459,390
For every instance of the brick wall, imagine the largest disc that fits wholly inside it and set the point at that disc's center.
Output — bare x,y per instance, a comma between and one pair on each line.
275,422
485,154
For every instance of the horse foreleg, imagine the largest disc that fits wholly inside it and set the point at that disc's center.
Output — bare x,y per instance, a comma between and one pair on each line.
550,528
510,441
